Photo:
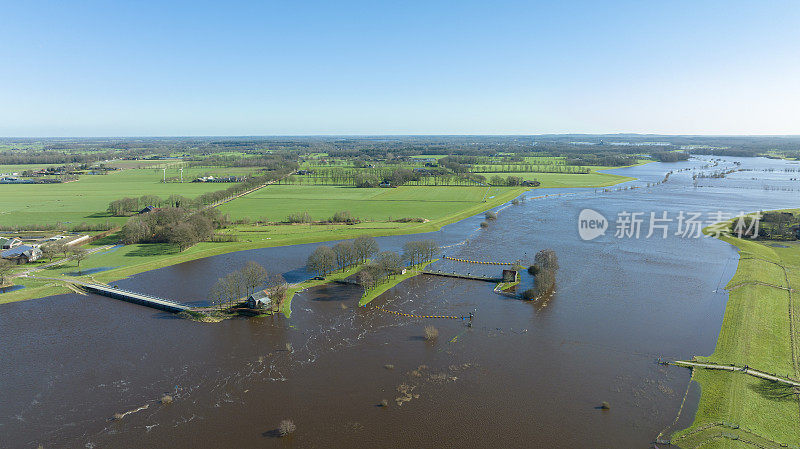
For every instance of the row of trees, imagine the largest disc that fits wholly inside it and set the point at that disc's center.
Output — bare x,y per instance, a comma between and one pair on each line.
373,177
340,217
174,225
670,156
419,251
344,254
128,206
240,284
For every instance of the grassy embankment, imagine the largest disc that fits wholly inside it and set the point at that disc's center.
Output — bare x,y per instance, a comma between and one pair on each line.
286,307
379,290
737,410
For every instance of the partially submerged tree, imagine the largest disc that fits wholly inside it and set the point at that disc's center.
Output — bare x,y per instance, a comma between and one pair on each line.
321,261
389,262
253,275
419,251
345,254
365,247
277,287
546,259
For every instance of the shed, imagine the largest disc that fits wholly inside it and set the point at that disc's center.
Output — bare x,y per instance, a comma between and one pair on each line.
258,300
22,254
10,243
509,275
147,209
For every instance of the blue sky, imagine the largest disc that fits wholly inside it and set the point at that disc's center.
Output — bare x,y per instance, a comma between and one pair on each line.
435,67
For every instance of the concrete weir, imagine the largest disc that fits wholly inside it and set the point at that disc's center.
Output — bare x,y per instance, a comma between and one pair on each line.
463,276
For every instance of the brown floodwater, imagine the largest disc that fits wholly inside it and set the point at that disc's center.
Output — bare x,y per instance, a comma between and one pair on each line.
526,374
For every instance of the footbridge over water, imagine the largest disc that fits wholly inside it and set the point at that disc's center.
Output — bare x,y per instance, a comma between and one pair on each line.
155,302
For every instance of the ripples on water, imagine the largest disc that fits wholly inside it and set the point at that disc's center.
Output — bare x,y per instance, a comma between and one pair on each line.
526,374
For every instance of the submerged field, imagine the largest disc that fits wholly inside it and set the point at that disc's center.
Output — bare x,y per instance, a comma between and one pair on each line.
758,331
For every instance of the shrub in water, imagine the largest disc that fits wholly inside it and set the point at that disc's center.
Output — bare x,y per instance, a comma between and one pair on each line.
431,333
287,426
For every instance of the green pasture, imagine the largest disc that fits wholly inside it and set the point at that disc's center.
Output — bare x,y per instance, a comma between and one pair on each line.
275,203
86,200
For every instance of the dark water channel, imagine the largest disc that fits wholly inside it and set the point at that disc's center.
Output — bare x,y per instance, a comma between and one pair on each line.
527,374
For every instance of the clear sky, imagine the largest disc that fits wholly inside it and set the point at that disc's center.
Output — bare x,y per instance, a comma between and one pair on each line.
289,67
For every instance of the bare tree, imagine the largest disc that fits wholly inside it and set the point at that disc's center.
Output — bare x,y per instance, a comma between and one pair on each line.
344,254
389,262
365,279
234,286
254,275
49,252
546,259
411,252
218,293
79,254
5,269
322,260
278,287
365,246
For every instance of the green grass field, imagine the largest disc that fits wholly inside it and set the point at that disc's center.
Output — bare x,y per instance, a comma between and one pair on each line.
562,180
87,199
275,203
755,332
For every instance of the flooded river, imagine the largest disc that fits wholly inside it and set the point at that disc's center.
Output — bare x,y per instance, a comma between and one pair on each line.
526,374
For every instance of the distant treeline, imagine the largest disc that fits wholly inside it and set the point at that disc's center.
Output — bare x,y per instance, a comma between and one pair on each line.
608,160
274,152
271,162
19,157
127,206
670,156
733,152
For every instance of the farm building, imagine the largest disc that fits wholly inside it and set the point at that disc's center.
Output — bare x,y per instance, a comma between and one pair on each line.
22,254
509,275
147,209
10,243
14,180
258,300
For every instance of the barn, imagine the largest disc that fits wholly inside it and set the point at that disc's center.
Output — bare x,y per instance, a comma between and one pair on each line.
258,300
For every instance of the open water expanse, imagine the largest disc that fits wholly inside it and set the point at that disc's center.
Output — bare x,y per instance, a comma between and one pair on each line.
526,374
